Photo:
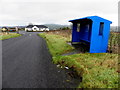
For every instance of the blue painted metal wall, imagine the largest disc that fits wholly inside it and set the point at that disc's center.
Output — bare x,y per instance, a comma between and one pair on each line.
75,34
85,32
98,41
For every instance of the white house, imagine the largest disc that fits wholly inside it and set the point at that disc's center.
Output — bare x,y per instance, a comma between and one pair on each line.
36,28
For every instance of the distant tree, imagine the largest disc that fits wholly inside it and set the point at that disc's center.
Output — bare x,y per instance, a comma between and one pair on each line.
65,28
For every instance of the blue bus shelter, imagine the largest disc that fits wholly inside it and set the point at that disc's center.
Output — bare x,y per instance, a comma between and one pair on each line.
92,30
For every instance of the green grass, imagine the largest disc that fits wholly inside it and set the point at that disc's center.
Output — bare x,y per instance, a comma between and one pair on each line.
56,44
7,36
97,70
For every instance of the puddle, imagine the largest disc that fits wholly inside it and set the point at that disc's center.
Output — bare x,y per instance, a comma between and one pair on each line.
71,53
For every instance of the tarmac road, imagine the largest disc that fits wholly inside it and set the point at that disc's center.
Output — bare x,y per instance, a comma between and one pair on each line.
27,63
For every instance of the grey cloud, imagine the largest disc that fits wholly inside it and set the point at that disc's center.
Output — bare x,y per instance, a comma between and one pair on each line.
53,12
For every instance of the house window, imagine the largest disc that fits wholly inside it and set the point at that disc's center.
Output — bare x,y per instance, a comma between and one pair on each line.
78,27
35,28
101,28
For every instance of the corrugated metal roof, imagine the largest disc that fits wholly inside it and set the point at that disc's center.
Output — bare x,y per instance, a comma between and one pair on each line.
93,18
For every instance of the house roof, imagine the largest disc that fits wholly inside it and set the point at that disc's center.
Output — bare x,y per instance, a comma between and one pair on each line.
39,26
29,26
93,18
4,27
11,28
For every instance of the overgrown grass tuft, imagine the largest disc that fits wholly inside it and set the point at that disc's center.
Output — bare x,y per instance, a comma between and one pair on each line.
97,70
7,36
56,44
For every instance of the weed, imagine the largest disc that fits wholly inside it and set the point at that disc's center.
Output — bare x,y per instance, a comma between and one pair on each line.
97,70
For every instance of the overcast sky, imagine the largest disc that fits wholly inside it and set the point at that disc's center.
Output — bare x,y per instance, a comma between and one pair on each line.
22,12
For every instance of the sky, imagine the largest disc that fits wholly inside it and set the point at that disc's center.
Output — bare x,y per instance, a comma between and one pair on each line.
23,12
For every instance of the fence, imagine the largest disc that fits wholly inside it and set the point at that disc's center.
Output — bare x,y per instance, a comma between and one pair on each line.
114,44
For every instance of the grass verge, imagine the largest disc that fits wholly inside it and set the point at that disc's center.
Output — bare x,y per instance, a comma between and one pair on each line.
97,70
7,36
56,44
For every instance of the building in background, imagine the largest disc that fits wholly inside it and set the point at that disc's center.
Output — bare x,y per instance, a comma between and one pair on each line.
4,29
12,29
36,28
